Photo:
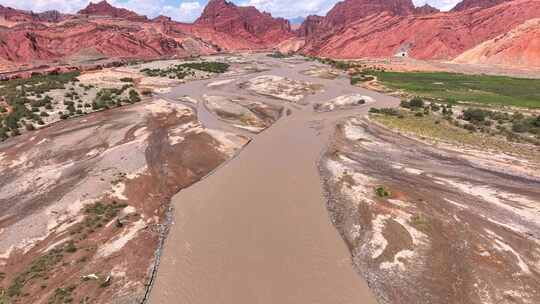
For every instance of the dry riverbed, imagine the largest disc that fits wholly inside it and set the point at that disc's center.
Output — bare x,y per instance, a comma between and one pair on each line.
426,224
84,201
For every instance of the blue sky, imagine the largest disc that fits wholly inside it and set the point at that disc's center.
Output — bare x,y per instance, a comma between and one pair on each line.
189,10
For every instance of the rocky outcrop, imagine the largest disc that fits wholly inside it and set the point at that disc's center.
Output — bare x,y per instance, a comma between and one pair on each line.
103,8
349,11
309,26
426,9
15,15
469,4
518,48
395,29
35,42
255,28
162,18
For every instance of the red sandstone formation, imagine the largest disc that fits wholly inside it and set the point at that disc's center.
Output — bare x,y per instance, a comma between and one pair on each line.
386,30
13,15
426,9
242,23
352,29
518,48
468,4
103,8
106,31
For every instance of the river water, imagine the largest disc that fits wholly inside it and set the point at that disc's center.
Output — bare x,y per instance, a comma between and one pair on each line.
257,230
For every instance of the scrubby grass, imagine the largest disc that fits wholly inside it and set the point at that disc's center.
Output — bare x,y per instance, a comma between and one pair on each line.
470,88
39,268
17,93
421,222
97,215
433,128
279,55
62,295
180,71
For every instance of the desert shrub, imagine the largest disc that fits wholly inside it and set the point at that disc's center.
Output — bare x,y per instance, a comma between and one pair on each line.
382,192
517,116
4,133
474,115
279,55
134,96
416,102
385,111
405,104
469,127
421,222
537,121
70,247
520,127
389,111
435,107
126,79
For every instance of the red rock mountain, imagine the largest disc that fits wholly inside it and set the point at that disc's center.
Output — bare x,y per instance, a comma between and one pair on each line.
352,29
244,23
468,4
426,9
384,30
103,8
13,15
106,31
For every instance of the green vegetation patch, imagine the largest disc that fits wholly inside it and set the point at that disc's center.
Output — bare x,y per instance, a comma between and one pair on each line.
109,98
485,89
97,215
62,295
39,268
432,127
26,96
382,192
279,55
421,222
181,71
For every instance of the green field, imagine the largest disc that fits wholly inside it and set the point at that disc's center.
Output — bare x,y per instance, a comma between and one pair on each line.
469,88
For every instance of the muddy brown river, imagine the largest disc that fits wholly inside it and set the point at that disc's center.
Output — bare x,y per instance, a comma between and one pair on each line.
257,230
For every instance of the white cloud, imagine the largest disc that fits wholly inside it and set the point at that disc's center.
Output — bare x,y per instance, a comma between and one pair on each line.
443,5
64,6
186,12
288,9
